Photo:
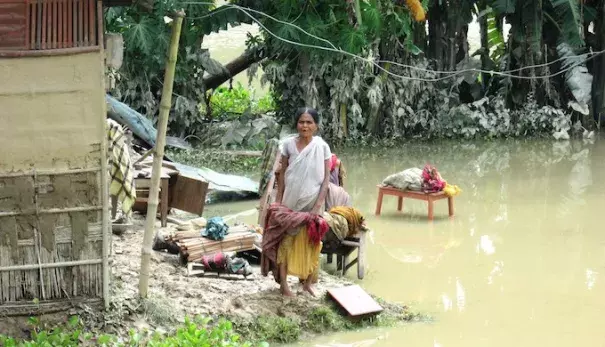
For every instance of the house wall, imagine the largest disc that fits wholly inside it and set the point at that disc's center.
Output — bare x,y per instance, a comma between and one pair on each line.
52,110
52,181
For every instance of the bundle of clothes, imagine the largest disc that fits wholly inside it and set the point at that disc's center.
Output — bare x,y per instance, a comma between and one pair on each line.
427,180
216,229
335,224
223,263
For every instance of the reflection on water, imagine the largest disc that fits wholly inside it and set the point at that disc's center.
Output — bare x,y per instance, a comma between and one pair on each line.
519,264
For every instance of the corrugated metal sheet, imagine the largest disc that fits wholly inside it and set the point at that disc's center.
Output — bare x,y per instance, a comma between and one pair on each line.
13,24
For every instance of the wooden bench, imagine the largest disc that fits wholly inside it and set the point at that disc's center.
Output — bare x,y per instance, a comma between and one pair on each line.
343,251
430,198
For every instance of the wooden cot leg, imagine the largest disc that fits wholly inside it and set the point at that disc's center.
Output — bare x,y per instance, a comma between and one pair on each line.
431,208
330,258
450,205
379,202
361,255
400,203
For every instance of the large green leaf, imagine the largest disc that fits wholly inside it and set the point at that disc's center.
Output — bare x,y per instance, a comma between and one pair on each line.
577,78
503,6
142,34
569,18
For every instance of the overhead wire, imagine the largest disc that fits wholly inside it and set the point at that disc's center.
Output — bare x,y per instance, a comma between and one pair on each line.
450,74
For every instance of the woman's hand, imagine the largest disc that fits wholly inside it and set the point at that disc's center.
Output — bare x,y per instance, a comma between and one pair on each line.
316,210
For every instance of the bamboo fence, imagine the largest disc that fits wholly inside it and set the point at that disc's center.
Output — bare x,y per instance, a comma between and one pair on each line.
51,239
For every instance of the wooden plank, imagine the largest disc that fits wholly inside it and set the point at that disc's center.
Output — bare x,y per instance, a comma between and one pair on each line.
27,25
355,300
70,23
43,24
91,22
34,28
84,14
100,41
55,23
13,25
80,14
60,22
188,194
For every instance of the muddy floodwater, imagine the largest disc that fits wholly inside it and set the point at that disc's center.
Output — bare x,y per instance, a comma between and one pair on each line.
520,264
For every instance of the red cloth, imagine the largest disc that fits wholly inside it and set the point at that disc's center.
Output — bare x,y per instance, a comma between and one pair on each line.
279,220
213,262
333,162
432,180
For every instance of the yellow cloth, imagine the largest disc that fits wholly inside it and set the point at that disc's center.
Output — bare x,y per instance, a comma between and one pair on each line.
353,216
416,9
301,257
120,167
338,224
451,190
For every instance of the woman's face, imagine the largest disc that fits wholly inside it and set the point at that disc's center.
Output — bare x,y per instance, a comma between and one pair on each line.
306,125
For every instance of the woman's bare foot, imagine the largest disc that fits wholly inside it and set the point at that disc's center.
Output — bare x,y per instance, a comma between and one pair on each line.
307,288
285,291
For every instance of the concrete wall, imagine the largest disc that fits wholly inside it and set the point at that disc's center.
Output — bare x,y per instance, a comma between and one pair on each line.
52,111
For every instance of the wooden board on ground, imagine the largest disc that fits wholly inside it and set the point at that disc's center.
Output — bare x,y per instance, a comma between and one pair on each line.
355,300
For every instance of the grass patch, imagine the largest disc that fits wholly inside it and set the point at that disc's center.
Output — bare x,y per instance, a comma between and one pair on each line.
217,160
326,318
201,332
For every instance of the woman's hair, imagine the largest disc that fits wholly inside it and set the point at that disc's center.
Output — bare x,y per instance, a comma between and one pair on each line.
311,111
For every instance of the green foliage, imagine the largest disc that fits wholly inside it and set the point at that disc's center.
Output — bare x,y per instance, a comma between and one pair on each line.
220,161
198,332
325,318
230,103
569,18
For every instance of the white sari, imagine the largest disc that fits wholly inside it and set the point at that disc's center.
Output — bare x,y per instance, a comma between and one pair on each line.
305,173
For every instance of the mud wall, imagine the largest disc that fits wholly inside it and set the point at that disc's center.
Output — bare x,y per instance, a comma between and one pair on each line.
51,210
50,110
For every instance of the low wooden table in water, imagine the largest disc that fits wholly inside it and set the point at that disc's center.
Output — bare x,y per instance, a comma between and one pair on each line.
430,198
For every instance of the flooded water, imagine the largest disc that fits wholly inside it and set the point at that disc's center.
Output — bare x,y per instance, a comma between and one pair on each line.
520,264
522,261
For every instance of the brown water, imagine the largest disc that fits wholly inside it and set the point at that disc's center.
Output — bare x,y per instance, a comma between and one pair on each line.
520,264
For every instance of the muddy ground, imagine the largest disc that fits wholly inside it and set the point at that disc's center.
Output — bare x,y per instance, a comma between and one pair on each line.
174,295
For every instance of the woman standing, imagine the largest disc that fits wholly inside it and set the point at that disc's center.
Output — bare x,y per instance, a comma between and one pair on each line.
302,187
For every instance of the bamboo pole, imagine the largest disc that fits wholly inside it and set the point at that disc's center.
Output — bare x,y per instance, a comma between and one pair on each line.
152,202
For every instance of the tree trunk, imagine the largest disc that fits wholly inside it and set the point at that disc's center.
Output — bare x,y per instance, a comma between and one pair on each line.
154,189
234,67
436,34
373,124
485,60
598,81
343,120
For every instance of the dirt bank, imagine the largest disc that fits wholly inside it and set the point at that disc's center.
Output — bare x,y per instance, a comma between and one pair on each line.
174,295
254,304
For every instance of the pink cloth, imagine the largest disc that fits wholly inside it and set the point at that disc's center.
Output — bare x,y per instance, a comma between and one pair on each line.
279,220
333,162
432,180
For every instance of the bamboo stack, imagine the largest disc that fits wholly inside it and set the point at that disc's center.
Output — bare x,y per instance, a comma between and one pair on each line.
193,246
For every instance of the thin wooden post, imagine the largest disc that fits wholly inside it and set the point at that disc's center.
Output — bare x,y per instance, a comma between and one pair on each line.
152,202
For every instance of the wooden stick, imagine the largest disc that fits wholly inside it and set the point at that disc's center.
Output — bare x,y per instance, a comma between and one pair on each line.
152,202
